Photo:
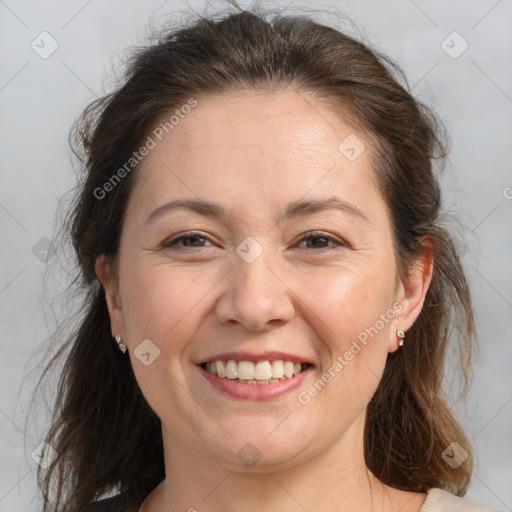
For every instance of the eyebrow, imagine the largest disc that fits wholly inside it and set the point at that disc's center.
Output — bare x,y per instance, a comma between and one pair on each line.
294,210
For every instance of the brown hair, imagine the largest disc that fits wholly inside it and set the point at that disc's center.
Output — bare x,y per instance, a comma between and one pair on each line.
106,435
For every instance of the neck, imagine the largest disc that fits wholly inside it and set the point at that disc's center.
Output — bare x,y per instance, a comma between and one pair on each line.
336,479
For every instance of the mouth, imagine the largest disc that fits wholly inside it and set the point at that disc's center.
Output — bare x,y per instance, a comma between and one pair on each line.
255,372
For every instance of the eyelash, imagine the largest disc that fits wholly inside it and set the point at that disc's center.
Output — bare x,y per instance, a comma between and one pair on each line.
171,244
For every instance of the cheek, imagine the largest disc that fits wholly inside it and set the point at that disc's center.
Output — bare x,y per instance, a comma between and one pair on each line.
352,313
162,303
350,300
160,297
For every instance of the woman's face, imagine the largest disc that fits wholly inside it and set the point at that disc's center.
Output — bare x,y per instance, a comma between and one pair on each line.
245,286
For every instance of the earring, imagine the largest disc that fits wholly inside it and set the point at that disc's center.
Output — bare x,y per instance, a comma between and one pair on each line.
122,346
401,335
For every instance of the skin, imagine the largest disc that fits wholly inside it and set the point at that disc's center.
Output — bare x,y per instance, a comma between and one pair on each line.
253,154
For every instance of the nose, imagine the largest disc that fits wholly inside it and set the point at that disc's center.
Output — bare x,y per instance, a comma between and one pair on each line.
256,297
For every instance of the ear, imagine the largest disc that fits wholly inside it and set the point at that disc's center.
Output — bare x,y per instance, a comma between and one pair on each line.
412,291
114,305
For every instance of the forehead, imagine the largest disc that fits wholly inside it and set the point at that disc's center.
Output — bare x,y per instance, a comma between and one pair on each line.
260,120
273,146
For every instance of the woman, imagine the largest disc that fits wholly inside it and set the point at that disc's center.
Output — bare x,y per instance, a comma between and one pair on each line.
270,288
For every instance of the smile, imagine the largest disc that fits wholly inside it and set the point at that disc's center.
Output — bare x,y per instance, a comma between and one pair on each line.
261,372
261,380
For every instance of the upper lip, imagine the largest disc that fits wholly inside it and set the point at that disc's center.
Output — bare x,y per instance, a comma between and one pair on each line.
255,357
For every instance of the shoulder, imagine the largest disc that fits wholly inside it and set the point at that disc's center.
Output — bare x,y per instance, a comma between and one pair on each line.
439,500
120,503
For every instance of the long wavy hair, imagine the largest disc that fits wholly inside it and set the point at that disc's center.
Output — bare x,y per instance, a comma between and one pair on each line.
106,437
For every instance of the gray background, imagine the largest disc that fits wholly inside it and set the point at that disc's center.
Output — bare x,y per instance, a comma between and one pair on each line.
40,98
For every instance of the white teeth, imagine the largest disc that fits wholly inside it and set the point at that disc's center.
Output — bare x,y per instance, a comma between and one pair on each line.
231,370
221,372
278,369
245,370
262,372
288,368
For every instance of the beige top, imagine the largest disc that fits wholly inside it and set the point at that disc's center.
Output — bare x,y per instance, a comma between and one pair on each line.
437,501
442,501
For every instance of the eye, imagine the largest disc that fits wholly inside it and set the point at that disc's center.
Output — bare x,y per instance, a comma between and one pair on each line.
195,239
191,240
319,240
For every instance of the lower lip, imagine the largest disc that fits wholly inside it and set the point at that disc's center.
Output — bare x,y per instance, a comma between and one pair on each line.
255,391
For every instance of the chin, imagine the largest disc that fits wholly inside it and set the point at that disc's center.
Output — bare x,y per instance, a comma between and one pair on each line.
260,449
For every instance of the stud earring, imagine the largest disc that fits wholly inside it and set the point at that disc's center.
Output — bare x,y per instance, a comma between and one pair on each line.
122,346
401,335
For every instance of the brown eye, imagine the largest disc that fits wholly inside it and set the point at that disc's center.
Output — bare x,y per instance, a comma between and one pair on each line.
320,240
190,240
